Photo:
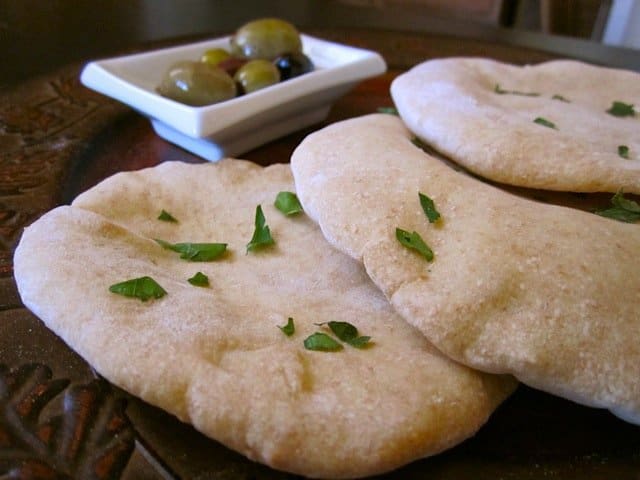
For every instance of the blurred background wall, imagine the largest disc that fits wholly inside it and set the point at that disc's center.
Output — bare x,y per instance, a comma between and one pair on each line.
95,28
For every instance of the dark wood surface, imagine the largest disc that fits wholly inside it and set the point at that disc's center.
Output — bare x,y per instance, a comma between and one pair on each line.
57,139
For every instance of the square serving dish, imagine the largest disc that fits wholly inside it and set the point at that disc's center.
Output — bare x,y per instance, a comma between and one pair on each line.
235,126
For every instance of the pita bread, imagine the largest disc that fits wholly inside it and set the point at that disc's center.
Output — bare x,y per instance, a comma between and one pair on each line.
546,293
452,105
214,356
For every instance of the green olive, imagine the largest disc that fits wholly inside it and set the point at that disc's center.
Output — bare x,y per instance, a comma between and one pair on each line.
197,84
214,56
266,38
256,74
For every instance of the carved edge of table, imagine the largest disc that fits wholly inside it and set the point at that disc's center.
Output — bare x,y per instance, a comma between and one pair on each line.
44,125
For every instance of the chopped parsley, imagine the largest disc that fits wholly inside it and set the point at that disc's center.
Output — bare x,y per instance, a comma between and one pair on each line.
199,280
499,90
621,109
544,122
348,333
561,98
429,208
195,252
389,110
261,234
621,209
143,288
415,242
623,151
321,342
288,203
288,329
167,217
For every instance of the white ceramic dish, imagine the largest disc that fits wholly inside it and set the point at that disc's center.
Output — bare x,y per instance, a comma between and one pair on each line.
235,126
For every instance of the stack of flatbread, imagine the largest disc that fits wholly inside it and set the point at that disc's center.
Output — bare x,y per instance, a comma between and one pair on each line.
388,319
215,355
560,125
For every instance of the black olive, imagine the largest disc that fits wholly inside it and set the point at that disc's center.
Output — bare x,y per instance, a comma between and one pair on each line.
293,64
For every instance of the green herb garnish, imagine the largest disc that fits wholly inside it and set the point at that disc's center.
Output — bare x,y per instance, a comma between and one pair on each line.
261,234
414,241
348,333
321,342
195,252
561,98
544,122
167,217
621,209
623,151
199,280
389,110
499,90
288,329
621,109
143,288
429,208
288,203
360,342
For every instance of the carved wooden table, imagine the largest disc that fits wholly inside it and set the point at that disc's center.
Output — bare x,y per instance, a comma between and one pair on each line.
58,419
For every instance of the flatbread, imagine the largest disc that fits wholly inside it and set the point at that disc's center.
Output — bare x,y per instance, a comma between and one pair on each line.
546,293
215,356
452,105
